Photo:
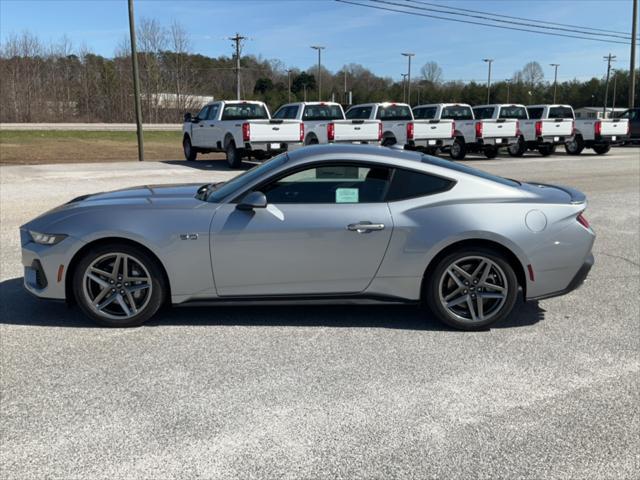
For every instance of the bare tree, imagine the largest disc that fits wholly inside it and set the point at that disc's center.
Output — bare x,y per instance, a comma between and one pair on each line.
532,74
152,39
431,72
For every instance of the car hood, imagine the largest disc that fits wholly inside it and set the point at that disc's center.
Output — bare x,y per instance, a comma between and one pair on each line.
152,192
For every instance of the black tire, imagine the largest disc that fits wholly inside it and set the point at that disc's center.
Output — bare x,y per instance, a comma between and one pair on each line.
575,146
601,149
458,150
546,150
491,152
388,141
502,308
190,152
517,149
311,140
233,155
157,297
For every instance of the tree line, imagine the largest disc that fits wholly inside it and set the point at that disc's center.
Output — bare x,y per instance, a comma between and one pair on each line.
59,83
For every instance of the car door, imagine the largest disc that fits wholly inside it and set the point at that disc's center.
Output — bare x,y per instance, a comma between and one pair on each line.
198,129
325,230
211,132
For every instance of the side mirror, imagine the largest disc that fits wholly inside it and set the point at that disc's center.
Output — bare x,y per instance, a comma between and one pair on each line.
188,117
253,200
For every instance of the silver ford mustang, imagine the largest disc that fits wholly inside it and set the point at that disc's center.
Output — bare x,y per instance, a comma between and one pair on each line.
339,224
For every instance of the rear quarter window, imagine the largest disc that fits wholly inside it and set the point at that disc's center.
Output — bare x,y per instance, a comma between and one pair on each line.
406,184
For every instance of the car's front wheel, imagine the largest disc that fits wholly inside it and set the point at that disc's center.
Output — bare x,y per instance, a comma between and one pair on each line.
190,152
601,149
119,285
234,159
471,289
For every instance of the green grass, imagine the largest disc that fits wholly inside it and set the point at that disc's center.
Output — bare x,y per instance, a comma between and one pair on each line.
35,136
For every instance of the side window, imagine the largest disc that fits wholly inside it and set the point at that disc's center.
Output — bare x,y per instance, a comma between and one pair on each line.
213,112
202,114
410,184
335,183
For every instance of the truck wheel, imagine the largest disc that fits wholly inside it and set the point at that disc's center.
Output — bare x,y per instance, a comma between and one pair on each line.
574,146
458,149
546,150
517,149
601,149
388,141
491,152
233,155
311,140
190,153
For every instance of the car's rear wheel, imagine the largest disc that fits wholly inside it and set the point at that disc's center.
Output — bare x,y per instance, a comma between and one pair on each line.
119,285
388,141
517,149
491,152
546,150
233,155
190,153
574,146
601,149
472,289
458,149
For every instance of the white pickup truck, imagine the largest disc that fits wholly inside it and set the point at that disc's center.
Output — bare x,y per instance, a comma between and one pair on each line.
598,134
324,122
240,129
471,135
431,134
396,119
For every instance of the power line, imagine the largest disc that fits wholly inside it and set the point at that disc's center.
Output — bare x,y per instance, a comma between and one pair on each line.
476,23
627,34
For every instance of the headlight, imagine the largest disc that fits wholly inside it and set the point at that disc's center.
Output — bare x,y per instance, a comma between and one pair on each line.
46,238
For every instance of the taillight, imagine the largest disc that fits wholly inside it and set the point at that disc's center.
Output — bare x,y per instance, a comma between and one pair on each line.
302,132
597,128
410,131
246,132
583,221
518,132
379,131
331,132
478,129
538,129
453,129
628,128
573,127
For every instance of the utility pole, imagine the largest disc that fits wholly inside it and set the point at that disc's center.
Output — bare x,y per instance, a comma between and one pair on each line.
409,55
613,101
404,87
345,86
136,82
632,62
508,82
555,80
304,89
289,83
489,61
237,39
319,49
609,58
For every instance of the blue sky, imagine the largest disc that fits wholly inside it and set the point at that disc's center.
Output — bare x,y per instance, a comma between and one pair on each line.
285,29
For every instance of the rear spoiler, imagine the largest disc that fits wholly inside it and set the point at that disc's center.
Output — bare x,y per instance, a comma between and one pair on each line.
577,197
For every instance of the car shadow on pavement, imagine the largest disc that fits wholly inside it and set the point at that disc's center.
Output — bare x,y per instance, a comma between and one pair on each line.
17,307
213,165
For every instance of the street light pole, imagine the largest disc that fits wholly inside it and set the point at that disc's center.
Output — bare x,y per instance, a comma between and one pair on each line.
613,101
409,55
508,82
555,80
609,58
136,82
289,84
489,61
319,49
404,87
632,62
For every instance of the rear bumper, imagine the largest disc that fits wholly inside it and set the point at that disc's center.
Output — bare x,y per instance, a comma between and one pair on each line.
432,142
553,139
496,141
273,148
575,282
609,140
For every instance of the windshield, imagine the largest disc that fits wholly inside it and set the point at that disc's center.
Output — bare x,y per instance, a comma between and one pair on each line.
246,178
457,112
323,112
519,113
458,167
244,111
394,112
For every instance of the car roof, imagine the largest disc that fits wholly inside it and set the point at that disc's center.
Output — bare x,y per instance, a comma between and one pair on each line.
499,105
376,152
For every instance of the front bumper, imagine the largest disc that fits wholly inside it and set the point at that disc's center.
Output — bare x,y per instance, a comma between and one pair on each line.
575,282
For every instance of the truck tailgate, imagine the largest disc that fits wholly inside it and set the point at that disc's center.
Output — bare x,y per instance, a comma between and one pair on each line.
499,128
562,127
436,129
356,130
274,130
615,127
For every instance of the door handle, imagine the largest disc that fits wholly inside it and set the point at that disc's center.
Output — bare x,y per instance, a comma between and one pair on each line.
365,227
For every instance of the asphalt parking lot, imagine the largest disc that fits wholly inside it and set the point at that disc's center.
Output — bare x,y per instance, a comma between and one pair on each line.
327,392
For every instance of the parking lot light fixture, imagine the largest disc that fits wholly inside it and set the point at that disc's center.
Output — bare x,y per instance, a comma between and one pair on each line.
409,55
319,49
489,61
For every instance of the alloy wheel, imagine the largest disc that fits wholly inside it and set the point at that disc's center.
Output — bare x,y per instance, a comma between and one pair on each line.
473,289
117,286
